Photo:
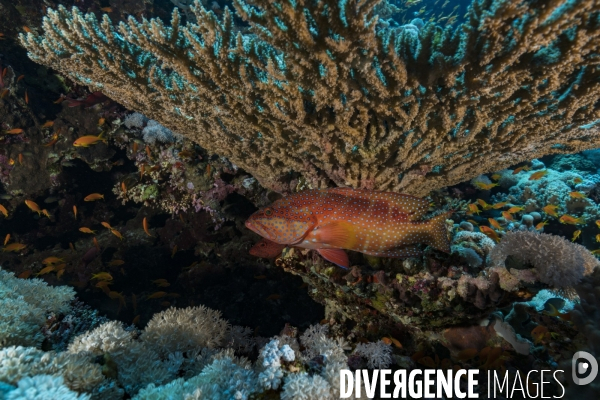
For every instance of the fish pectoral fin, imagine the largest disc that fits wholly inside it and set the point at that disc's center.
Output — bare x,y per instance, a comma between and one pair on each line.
398,252
336,234
336,256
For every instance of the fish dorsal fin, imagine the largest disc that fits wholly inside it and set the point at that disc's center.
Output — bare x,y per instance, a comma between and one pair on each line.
338,234
336,256
414,208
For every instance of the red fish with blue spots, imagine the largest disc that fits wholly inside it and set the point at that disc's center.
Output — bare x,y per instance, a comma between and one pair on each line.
383,224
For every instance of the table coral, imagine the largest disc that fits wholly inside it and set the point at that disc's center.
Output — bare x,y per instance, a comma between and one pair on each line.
324,91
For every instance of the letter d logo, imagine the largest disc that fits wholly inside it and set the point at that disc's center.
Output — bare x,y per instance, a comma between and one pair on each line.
580,368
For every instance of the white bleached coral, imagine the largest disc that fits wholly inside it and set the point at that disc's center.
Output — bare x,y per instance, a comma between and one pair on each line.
558,262
305,387
185,329
24,306
44,387
378,354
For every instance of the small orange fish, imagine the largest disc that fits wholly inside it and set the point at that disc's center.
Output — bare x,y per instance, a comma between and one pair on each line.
15,131
86,141
550,209
473,209
577,195
145,225
116,233
576,235
142,171
483,204
577,180
538,175
156,295
20,77
20,159
106,225
103,285
485,186
7,238
507,216
46,213
597,238
59,100
568,219
515,209
93,197
60,273
72,247
51,260
25,274
165,303
598,223
136,320
96,243
33,206
123,187
26,97
541,225
75,211
52,141
522,168
107,9
496,177
475,223
3,210
116,263
539,333
11,161
174,251
495,224
148,152
489,232
45,270
3,93
26,29
87,230
102,276
135,148
47,124
101,121
161,283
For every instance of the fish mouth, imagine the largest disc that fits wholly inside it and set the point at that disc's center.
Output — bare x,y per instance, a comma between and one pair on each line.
257,227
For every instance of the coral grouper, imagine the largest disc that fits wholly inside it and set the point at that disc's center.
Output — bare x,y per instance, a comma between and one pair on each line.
380,224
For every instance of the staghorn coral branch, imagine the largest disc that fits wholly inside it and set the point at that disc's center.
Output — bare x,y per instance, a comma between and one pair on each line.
317,88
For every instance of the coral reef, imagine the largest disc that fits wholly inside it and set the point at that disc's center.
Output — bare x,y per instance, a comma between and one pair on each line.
337,97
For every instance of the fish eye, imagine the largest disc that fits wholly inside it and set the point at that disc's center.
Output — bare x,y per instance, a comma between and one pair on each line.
263,244
268,212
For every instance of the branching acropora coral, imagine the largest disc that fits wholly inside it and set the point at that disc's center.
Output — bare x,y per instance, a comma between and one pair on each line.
320,89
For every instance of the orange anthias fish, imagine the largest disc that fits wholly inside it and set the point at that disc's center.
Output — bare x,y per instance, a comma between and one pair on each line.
267,249
515,209
484,205
106,225
14,247
577,195
576,235
382,224
568,219
495,224
473,209
145,225
93,196
538,175
75,211
485,186
550,209
87,230
507,216
86,141
33,206
499,205
489,232
3,210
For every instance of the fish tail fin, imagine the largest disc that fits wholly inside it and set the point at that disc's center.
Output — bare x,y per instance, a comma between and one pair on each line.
438,234
103,138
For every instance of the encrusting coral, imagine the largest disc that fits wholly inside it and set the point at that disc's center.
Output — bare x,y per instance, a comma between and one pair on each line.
320,89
